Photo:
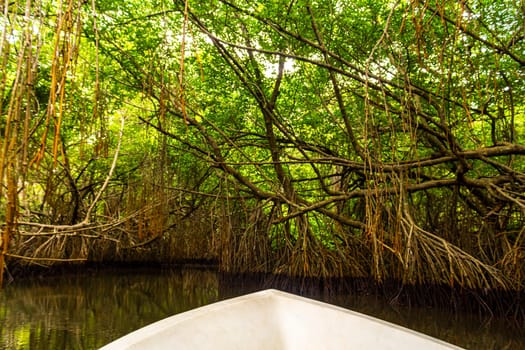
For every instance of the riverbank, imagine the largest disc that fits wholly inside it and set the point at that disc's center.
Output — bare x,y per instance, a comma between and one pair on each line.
509,306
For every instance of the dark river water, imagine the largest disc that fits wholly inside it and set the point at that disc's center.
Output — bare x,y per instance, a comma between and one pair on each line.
86,311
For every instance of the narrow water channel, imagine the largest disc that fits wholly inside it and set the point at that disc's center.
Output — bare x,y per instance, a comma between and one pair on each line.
86,311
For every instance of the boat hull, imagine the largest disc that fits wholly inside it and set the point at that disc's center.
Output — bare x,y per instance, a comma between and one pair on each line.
273,319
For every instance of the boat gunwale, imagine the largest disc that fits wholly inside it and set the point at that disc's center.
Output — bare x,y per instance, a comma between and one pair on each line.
166,324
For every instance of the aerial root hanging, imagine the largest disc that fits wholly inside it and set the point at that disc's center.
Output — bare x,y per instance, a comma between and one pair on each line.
430,258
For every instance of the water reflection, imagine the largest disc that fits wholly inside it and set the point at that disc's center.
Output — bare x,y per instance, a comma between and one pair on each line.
89,310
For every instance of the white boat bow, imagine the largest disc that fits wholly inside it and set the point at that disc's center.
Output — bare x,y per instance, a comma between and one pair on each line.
272,319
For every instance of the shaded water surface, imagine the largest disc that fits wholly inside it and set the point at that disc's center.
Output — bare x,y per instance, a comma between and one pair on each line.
89,310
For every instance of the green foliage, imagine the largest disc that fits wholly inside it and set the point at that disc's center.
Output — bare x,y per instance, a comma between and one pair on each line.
337,124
